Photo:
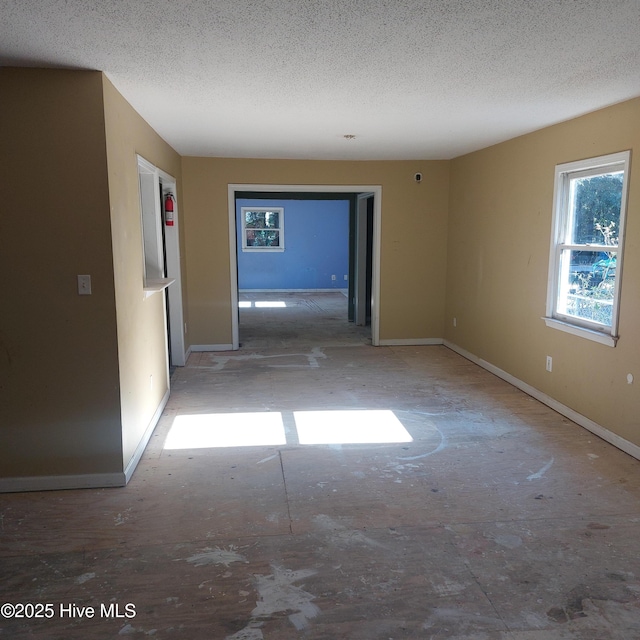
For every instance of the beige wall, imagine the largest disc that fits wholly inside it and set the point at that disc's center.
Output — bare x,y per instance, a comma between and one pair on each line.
413,247
75,392
59,401
141,328
499,239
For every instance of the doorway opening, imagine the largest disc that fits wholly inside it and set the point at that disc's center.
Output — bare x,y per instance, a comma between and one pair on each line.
358,287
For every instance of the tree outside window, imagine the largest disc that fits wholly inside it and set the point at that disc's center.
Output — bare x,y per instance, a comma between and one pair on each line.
262,229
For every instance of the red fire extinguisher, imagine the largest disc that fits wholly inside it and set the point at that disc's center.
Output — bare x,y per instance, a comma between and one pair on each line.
168,209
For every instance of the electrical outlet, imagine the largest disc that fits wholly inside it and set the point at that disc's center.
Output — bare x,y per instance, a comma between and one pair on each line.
333,277
84,285
549,363
455,322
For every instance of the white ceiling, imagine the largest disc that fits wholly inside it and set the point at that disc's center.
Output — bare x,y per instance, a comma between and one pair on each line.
411,79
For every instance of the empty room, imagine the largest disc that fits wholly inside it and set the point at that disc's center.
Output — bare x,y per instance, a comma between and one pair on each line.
320,320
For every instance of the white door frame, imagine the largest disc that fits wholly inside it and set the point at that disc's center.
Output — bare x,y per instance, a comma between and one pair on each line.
376,190
174,291
172,248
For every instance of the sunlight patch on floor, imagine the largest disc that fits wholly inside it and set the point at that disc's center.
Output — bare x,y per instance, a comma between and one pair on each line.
211,430
262,304
214,430
350,427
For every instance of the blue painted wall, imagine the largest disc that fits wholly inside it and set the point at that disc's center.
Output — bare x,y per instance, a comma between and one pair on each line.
316,246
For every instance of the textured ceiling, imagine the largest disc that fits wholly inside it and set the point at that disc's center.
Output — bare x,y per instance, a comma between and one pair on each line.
411,79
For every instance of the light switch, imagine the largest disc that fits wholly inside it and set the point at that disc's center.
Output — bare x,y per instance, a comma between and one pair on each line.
84,285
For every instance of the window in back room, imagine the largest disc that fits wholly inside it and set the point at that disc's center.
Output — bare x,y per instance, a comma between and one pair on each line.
262,229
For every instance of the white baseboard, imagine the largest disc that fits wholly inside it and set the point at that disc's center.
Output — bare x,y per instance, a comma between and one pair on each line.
211,347
87,480
598,430
56,483
142,445
408,342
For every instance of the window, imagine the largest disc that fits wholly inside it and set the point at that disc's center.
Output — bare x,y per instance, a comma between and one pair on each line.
262,229
585,264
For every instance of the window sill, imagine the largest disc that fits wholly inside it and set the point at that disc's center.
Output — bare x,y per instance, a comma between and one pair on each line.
154,286
589,334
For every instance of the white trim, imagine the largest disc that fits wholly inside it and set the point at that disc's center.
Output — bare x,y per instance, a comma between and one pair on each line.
174,270
375,284
172,255
155,286
150,223
144,441
233,274
596,162
212,347
57,483
87,480
411,342
598,430
314,188
589,334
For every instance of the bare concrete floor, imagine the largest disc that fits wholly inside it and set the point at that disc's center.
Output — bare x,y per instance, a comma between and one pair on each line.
378,493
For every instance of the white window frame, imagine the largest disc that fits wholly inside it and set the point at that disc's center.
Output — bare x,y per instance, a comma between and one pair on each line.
280,229
559,242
